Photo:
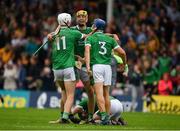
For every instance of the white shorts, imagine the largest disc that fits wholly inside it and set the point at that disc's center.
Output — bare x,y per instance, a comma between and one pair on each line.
102,73
116,109
66,74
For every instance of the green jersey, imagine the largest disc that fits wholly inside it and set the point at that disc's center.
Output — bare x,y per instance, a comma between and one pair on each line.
151,76
84,105
80,46
101,48
164,64
63,48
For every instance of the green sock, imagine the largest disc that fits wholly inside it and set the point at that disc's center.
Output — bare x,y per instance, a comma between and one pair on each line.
90,116
65,115
61,115
103,115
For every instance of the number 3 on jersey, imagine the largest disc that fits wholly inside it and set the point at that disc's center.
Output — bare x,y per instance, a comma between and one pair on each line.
103,48
63,38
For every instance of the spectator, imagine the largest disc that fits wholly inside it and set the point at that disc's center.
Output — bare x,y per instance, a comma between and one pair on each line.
175,77
33,74
47,77
22,73
153,43
31,46
165,85
141,37
47,80
135,79
1,74
164,63
6,53
150,79
10,76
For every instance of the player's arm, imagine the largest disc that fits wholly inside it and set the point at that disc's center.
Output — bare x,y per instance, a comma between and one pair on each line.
79,58
87,57
87,54
84,36
121,53
115,36
120,62
92,32
52,34
87,35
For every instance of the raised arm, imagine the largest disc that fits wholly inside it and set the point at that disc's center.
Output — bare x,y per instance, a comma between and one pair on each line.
52,34
92,32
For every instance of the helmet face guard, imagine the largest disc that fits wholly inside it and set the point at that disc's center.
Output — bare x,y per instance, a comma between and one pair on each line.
64,19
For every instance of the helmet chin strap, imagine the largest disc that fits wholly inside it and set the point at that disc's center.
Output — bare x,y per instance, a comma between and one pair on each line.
66,24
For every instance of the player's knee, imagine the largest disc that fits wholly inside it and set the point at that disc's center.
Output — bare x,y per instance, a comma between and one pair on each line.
70,96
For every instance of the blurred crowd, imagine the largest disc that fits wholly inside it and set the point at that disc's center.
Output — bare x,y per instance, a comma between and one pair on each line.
149,32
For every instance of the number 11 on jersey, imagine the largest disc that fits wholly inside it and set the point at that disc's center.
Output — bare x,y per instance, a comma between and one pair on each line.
58,43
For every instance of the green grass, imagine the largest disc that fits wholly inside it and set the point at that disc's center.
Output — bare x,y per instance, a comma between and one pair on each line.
25,119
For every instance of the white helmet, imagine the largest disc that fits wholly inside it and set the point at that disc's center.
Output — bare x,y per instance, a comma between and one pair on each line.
64,19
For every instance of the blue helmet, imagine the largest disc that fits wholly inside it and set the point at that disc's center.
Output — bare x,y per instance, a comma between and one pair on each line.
99,24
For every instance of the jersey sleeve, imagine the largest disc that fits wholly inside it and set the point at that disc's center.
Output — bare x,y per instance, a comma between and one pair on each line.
118,59
115,44
88,41
78,35
83,103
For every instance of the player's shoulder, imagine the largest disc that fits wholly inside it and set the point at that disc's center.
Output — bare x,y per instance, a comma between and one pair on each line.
109,37
74,30
66,31
73,27
90,37
89,28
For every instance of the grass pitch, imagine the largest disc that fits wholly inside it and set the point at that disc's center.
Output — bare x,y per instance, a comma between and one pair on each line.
36,119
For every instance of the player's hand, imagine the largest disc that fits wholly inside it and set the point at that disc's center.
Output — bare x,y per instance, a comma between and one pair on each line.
126,70
89,71
82,60
125,74
49,36
144,82
78,64
93,31
121,68
116,37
